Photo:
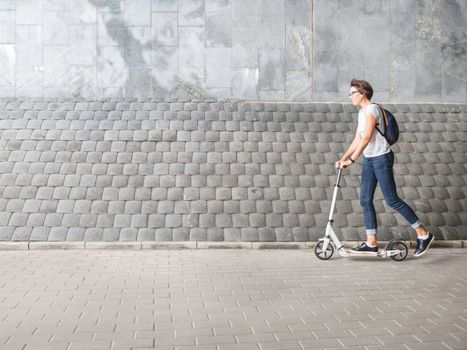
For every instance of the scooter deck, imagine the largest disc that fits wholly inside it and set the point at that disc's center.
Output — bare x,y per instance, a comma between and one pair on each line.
353,253
381,253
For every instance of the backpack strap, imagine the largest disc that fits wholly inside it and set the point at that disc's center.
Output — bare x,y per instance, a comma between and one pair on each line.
384,116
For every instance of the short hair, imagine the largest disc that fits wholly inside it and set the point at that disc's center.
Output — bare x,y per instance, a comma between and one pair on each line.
362,87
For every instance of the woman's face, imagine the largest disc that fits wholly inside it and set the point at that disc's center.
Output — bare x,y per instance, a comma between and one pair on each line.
354,96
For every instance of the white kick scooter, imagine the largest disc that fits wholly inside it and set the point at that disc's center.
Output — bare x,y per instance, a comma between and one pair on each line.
395,249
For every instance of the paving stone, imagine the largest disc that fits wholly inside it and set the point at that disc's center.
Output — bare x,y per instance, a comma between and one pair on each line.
128,234
18,219
75,234
57,234
173,220
39,234
215,234
21,233
163,234
180,234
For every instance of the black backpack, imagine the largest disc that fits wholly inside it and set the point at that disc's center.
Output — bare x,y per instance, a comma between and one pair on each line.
391,129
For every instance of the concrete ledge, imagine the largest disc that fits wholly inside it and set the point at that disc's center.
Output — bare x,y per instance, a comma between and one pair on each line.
113,245
223,245
14,245
56,245
168,245
149,245
279,245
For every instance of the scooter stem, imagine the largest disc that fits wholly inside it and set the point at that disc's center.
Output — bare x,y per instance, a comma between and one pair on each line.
334,196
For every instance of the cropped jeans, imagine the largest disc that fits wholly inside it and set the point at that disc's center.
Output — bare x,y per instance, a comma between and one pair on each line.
379,170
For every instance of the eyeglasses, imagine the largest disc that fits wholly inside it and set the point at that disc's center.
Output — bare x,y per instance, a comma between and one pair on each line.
353,92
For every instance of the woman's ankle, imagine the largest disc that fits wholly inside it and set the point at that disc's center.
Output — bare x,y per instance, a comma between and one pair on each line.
421,231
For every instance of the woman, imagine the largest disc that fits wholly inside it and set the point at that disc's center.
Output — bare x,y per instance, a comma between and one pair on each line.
378,161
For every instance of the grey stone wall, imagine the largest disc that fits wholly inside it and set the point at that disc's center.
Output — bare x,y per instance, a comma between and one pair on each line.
293,50
178,170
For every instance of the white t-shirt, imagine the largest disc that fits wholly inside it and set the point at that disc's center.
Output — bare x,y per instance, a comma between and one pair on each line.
378,144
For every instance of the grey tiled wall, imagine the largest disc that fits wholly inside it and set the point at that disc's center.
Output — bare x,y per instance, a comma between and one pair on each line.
293,50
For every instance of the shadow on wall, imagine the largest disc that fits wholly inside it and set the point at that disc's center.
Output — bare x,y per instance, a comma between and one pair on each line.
139,79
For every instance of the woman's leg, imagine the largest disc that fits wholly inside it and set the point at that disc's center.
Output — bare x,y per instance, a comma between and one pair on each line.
383,171
383,167
367,191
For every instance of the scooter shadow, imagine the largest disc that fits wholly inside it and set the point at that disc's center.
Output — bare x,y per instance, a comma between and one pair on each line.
428,258
363,258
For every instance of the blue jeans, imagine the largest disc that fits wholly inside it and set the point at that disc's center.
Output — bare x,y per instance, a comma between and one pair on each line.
379,170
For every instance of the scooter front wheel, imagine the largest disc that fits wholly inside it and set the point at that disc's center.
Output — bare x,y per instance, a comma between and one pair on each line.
323,254
401,246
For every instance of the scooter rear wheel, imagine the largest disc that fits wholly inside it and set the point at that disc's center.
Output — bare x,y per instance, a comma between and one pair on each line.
398,245
323,254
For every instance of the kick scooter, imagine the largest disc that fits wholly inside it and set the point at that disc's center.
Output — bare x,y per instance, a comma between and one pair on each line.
396,249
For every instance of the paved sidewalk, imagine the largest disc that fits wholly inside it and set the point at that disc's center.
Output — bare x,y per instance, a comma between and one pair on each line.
230,299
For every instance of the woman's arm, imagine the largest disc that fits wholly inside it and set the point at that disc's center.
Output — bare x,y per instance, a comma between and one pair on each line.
352,146
350,150
370,126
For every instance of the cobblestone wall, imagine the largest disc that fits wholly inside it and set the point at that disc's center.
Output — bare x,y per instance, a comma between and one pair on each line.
171,170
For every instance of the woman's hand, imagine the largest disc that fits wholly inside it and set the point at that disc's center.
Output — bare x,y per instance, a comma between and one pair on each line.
343,163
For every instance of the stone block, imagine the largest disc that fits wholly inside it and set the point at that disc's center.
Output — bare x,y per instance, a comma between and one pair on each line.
232,235
180,234
18,219
7,27
105,220
93,234
128,234
300,234
83,41
218,26
215,234
284,234
257,220
198,234
111,234
271,70
298,86
173,220
191,13
82,13
164,5
29,78
266,234
146,234
326,72
112,71
71,220
88,220
56,28
21,233
75,234
224,220
27,12
57,234
139,220
249,234
39,233
35,219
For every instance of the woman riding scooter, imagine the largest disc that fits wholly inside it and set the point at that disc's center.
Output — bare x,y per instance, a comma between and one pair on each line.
378,161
